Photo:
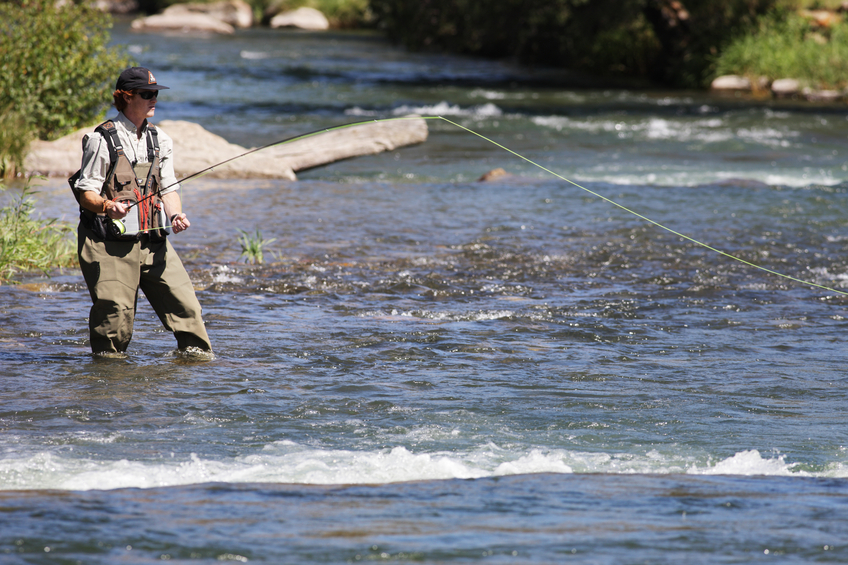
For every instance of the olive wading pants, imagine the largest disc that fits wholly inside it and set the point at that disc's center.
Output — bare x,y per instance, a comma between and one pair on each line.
115,270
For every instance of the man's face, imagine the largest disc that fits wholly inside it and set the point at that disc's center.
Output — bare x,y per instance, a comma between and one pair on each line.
138,106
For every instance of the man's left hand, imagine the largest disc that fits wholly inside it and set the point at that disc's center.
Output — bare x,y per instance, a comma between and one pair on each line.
179,222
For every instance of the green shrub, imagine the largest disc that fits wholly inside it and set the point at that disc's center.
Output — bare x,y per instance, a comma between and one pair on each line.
15,135
785,45
28,244
56,69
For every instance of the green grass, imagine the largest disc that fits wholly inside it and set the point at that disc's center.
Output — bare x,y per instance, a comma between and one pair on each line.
252,246
30,244
786,45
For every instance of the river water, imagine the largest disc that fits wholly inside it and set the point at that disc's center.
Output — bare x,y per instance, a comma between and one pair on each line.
427,368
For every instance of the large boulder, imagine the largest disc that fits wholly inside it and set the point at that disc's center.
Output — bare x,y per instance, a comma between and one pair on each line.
236,13
182,22
196,149
354,141
60,158
302,18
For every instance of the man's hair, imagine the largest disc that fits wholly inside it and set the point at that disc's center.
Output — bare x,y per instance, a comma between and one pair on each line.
118,98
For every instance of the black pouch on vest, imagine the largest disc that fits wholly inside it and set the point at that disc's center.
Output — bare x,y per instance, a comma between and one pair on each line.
100,226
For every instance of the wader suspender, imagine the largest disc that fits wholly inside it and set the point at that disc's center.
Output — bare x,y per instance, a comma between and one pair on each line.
116,150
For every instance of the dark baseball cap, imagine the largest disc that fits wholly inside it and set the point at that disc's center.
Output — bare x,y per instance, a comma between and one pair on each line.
138,78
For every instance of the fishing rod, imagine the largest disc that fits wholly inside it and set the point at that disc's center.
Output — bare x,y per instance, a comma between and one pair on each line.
208,170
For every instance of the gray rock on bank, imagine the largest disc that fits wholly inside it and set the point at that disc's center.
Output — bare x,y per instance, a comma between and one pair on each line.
780,88
785,87
224,16
302,18
731,83
196,149
182,22
236,13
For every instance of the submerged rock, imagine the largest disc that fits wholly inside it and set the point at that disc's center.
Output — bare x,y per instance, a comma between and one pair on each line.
196,149
495,174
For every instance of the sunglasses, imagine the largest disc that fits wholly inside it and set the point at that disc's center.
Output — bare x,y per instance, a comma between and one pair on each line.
148,94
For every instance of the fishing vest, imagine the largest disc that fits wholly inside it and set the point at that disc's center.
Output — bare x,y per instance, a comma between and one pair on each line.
135,186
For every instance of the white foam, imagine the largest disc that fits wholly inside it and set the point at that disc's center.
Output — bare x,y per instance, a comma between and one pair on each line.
225,274
288,462
443,108
702,130
751,463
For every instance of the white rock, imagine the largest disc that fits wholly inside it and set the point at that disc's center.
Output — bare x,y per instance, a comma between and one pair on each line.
56,158
196,149
785,87
354,141
117,6
821,95
185,22
237,13
731,82
302,18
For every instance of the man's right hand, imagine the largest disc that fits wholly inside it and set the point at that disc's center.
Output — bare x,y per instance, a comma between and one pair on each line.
116,210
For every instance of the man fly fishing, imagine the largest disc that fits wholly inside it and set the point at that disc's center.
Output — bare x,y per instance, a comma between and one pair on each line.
125,217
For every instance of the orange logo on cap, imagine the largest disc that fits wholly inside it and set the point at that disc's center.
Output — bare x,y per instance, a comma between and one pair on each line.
151,79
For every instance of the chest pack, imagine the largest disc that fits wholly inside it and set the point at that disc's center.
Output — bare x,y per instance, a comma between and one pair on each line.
135,185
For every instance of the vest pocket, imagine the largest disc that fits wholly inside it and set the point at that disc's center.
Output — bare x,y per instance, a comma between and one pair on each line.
129,227
159,225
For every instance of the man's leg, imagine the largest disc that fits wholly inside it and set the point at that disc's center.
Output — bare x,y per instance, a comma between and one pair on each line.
169,290
111,271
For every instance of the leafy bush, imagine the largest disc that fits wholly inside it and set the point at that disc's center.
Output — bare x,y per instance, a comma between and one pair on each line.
56,69
28,244
785,45
15,135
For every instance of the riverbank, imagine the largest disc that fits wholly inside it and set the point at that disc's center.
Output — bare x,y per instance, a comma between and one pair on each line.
804,51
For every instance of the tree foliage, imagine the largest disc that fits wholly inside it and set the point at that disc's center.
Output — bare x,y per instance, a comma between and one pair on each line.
56,68
670,41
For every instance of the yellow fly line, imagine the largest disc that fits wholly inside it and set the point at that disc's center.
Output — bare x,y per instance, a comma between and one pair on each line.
208,170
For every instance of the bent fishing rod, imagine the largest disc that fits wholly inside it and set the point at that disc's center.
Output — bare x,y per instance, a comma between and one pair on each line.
208,170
